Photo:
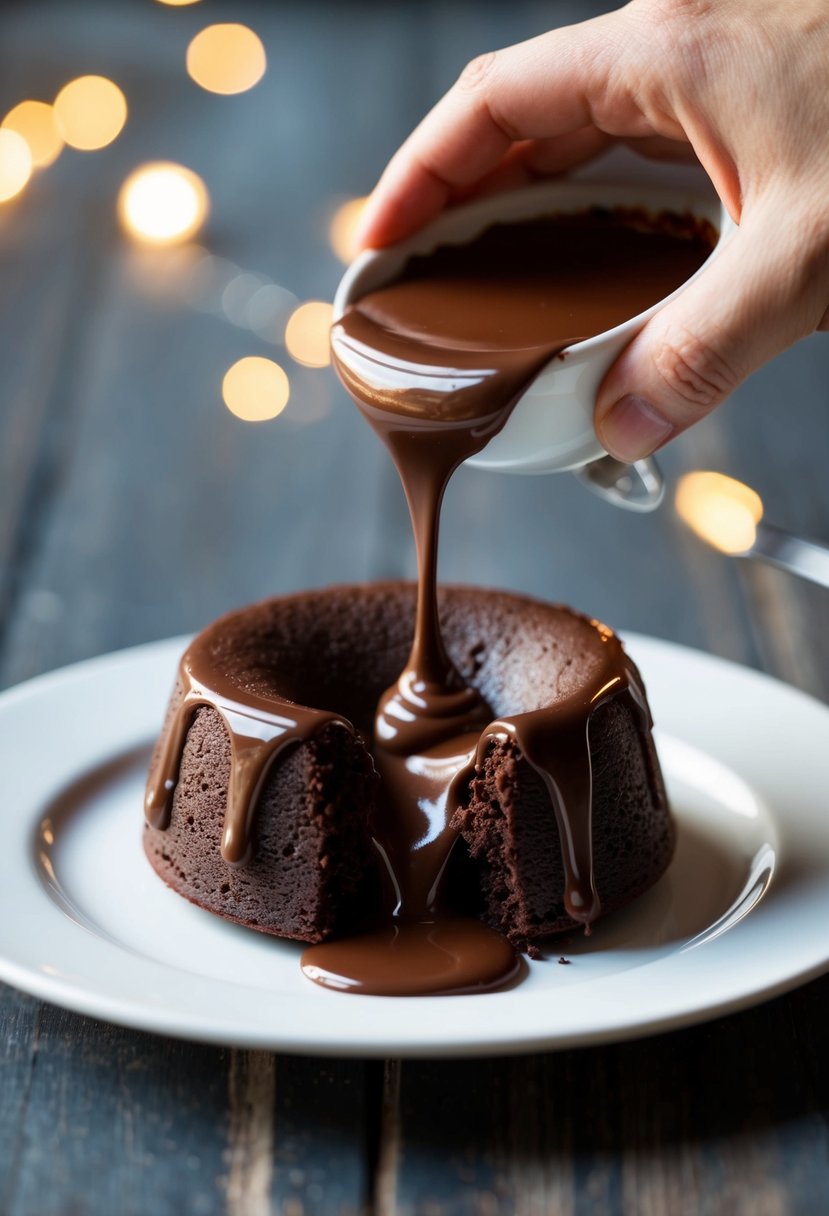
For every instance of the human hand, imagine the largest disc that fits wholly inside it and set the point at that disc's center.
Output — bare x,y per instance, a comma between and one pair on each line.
742,86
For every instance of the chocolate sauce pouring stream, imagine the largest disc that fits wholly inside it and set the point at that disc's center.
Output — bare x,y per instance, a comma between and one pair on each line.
436,362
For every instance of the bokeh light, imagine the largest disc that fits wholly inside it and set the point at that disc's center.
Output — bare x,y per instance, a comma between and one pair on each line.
256,389
268,311
226,58
721,511
90,112
162,203
177,3
343,228
35,122
15,164
307,334
238,294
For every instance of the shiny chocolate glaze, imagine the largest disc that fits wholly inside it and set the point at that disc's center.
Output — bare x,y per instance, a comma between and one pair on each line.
259,729
435,362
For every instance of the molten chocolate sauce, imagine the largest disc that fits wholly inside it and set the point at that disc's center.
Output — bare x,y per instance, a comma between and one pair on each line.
259,728
435,362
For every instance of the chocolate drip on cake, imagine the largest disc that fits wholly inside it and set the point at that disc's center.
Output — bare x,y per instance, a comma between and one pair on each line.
259,728
555,741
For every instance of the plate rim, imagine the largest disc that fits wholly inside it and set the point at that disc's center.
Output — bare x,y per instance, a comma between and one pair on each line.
88,1000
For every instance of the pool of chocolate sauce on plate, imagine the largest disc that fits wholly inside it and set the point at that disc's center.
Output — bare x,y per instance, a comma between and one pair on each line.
435,361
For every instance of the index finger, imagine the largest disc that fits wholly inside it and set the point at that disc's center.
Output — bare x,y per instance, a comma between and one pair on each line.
551,85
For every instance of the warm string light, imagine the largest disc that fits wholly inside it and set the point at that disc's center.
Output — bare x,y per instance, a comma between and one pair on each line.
90,112
226,58
307,334
163,203
721,511
15,164
256,389
35,122
342,230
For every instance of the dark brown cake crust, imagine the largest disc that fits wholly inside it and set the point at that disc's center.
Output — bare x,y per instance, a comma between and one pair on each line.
311,854
511,832
313,864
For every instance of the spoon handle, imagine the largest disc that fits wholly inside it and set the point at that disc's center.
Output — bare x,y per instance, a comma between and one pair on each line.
807,558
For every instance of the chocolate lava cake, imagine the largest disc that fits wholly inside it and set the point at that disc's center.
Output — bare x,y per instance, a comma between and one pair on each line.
306,867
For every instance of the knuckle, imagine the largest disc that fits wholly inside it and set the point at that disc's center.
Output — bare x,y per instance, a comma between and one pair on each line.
477,71
693,372
476,80
676,38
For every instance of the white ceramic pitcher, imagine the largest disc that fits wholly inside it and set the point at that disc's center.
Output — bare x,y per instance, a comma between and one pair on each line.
551,427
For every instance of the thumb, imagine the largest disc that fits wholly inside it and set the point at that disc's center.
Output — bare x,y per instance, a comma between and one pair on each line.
767,287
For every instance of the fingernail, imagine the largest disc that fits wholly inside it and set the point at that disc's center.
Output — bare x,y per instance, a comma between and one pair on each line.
632,429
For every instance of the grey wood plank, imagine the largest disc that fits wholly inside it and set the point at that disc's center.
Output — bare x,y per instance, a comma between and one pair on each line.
95,1119
728,1118
118,1122
19,1029
298,1136
38,333
323,1142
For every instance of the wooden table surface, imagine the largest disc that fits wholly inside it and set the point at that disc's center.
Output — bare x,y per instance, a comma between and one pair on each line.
133,506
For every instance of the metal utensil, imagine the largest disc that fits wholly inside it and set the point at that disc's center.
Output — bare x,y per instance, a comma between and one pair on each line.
636,487
729,515
807,558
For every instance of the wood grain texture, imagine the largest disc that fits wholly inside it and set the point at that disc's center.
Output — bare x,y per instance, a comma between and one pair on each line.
132,507
725,1118
252,1094
113,1121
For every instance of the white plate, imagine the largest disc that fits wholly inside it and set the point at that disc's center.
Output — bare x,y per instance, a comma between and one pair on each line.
740,916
